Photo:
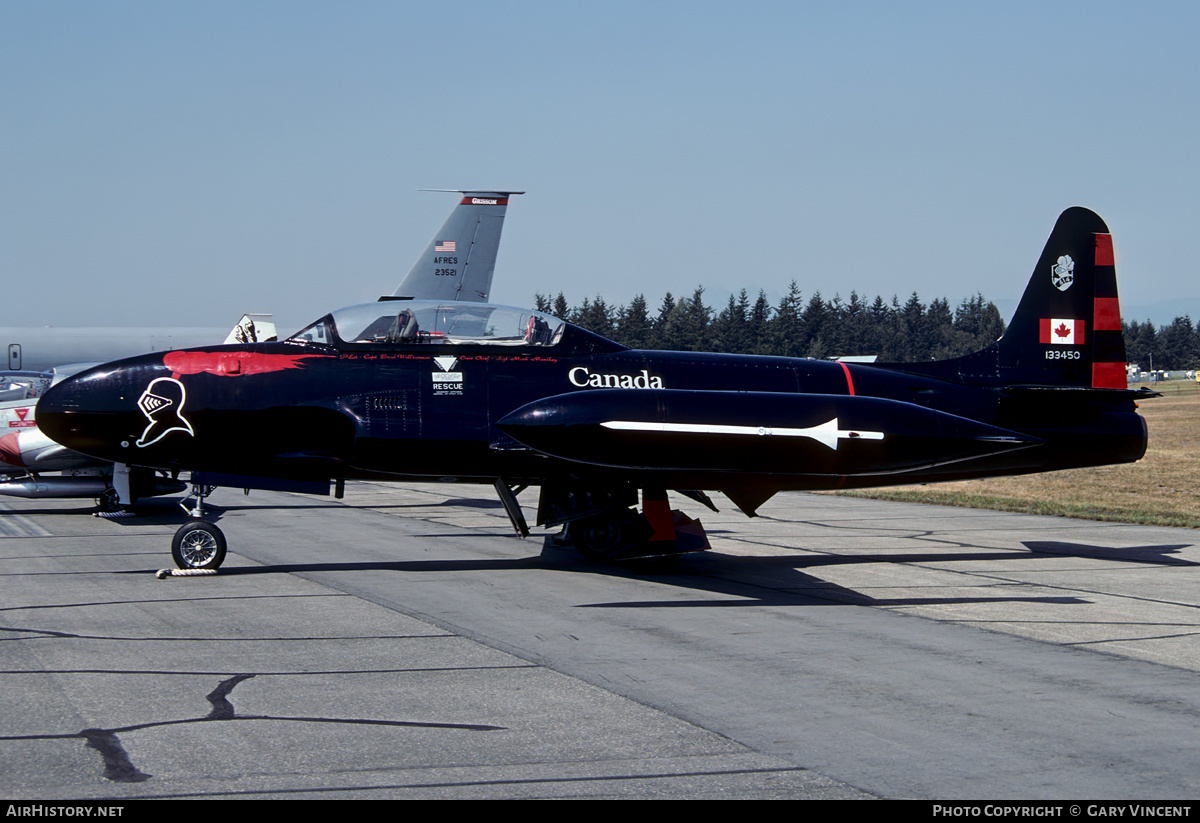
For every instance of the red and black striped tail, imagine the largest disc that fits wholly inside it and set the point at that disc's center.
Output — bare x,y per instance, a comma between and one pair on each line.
1066,332
1067,328
1108,348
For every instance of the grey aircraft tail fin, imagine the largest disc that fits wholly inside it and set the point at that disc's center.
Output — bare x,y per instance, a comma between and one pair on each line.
253,328
459,261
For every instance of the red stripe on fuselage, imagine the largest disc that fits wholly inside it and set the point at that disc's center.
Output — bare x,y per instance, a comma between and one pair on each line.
232,363
849,379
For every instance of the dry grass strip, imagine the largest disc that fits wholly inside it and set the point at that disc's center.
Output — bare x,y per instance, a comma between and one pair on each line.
1160,489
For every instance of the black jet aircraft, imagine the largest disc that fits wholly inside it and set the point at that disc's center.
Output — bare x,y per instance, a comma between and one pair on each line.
481,393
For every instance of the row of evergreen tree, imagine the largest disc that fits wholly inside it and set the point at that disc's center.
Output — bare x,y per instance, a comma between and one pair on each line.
831,328
1175,347
794,328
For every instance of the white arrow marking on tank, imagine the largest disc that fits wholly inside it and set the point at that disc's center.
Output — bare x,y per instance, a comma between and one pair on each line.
827,434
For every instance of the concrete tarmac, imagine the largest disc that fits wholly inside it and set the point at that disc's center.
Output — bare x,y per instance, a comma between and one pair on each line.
402,643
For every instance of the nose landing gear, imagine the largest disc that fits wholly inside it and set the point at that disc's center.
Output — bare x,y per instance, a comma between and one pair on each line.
199,544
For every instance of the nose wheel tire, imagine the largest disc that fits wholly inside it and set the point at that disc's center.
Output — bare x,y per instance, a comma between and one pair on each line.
109,500
198,545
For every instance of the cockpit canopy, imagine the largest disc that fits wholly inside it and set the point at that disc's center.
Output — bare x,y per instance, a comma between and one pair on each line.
427,322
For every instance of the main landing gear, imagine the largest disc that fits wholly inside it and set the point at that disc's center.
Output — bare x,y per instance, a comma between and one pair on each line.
603,525
626,535
199,544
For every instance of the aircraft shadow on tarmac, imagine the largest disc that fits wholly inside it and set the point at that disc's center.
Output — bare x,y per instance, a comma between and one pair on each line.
449,502
1130,554
755,581
162,512
751,581
787,586
26,512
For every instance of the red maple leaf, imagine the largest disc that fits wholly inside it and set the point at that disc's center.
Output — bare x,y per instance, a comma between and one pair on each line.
1062,330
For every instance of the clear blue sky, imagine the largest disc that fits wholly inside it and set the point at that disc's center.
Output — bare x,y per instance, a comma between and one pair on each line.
183,162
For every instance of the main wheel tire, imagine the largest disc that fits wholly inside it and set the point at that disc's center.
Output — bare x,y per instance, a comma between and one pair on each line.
198,545
603,535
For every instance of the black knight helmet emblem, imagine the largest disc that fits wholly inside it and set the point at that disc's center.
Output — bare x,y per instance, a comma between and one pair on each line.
162,403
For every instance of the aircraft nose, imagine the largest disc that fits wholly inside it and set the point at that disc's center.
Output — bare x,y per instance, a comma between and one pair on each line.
61,410
90,413
60,400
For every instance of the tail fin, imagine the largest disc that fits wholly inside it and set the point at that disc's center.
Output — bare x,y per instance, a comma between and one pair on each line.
459,261
253,328
1067,328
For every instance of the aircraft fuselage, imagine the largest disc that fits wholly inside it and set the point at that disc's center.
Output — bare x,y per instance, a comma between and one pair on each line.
584,407
474,392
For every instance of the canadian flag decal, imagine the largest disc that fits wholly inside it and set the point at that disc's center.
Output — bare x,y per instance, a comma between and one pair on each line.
1058,331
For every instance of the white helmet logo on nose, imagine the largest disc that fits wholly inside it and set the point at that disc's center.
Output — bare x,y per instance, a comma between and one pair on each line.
162,403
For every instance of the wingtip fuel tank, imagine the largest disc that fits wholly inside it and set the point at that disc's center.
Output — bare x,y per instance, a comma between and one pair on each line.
776,432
